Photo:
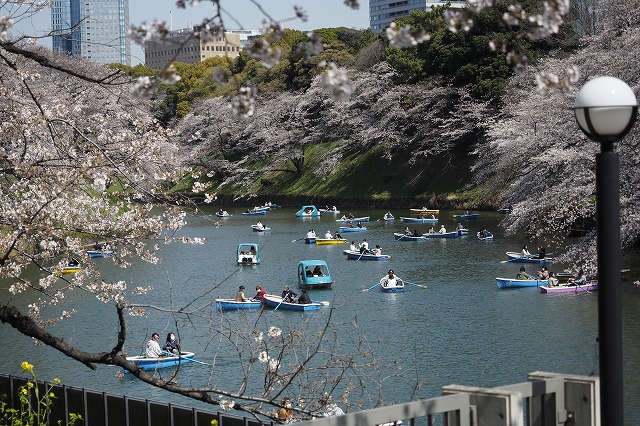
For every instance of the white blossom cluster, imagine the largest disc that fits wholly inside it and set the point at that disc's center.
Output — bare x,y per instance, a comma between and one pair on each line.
405,36
243,104
336,81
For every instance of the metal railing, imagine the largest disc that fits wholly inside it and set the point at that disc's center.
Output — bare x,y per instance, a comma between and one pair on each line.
546,399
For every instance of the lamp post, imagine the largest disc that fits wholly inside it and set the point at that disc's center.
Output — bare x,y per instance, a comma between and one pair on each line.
606,109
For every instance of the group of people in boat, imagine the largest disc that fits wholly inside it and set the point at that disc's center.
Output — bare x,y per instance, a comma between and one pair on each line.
544,274
540,254
363,248
170,348
288,295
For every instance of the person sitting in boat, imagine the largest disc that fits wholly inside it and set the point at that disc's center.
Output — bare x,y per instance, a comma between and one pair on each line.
364,247
304,298
484,233
378,250
311,234
407,231
260,293
433,216
543,274
328,235
461,226
317,272
240,295
308,272
359,224
73,262
343,217
334,209
522,274
259,225
352,247
420,216
351,216
442,230
416,233
431,230
390,280
351,224
171,346
525,251
580,279
553,281
288,295
97,246
542,253
248,211
338,236
252,251
220,212
153,347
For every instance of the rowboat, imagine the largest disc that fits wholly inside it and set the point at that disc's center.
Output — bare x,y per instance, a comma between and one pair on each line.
329,211
452,234
308,211
388,217
65,270
329,241
517,257
314,274
256,228
354,219
348,229
310,240
276,302
404,237
462,231
504,210
145,363
418,220
248,254
565,288
93,254
488,236
254,213
395,286
425,210
467,216
233,305
513,283
223,214
354,254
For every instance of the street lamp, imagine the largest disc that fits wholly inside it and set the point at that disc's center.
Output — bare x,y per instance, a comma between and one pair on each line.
606,109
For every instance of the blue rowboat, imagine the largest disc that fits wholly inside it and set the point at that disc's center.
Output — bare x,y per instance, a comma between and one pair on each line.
356,255
276,302
145,363
467,216
513,283
391,287
354,229
388,217
426,211
418,220
403,237
314,274
233,305
248,254
452,234
488,236
310,240
354,219
255,213
517,257
504,210
308,211
93,254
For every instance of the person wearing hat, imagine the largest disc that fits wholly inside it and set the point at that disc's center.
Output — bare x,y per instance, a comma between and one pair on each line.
304,298
442,230
240,295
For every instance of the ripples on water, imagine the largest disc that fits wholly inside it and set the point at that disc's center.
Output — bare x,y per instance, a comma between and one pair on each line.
461,330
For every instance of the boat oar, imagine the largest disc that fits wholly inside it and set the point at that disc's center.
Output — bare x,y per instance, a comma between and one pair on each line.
276,308
299,239
367,289
417,285
510,260
200,362
578,285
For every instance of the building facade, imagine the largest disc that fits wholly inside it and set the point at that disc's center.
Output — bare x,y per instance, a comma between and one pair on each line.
181,46
383,12
92,29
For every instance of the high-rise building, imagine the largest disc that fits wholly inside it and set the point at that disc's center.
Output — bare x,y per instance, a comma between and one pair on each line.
92,29
383,12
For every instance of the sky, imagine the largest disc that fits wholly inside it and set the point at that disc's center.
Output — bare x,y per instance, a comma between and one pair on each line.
240,14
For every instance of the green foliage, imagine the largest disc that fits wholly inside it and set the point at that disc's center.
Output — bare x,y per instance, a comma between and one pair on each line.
465,57
135,72
34,407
